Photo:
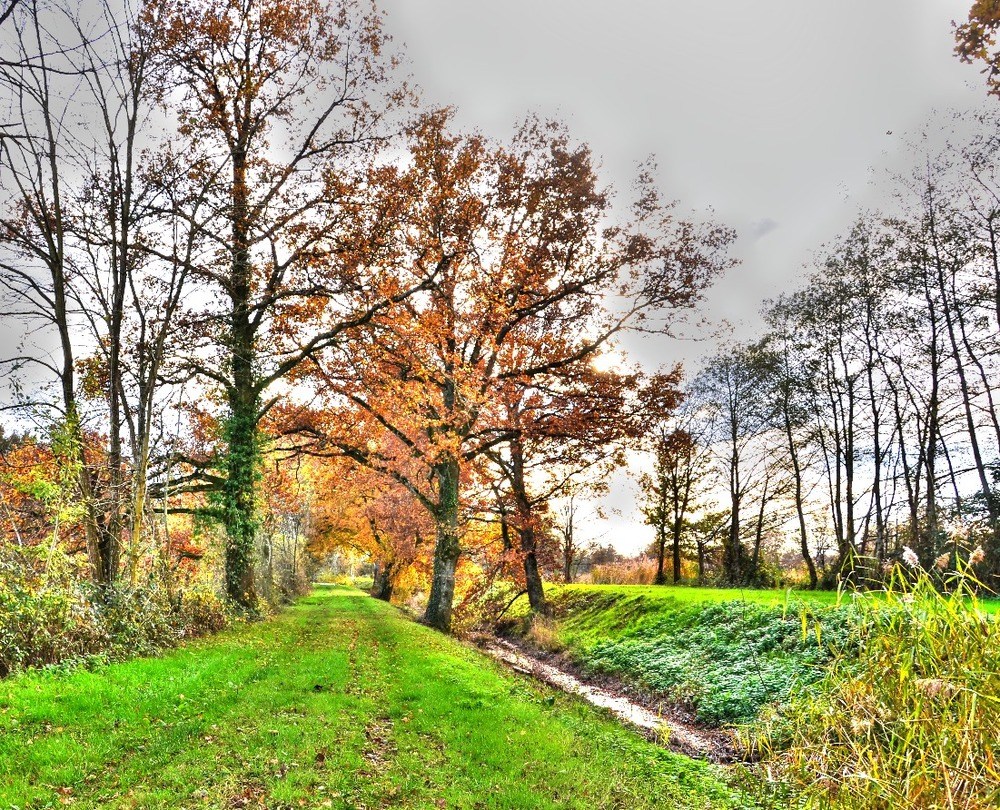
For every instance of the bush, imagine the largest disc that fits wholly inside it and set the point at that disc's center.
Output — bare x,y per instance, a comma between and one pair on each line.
909,720
638,571
200,612
544,634
48,616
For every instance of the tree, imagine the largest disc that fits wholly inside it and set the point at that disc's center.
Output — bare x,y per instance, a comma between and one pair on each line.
74,239
789,391
679,473
518,250
732,390
568,428
285,104
571,550
975,41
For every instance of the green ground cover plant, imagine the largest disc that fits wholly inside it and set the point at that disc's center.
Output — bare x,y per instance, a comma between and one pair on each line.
340,701
725,654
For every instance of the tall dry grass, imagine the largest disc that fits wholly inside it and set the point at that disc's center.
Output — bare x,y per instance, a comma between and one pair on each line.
910,718
636,571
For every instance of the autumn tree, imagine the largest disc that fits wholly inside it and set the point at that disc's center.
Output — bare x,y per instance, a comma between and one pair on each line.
519,251
284,103
567,429
976,41
367,513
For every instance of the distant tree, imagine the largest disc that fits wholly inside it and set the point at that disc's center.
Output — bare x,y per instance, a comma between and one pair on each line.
732,391
605,555
672,489
708,532
574,552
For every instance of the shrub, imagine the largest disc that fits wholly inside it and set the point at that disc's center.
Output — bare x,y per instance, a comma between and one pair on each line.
544,634
909,720
638,571
199,612
43,618
48,616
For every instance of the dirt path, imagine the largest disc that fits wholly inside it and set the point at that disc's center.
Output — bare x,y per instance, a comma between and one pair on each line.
671,732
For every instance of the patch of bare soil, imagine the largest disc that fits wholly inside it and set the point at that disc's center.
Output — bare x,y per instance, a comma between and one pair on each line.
379,747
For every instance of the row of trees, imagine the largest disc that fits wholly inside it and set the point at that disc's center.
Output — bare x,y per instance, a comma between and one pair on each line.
256,285
865,418
232,239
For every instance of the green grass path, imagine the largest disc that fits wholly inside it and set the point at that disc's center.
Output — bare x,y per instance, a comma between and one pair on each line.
338,702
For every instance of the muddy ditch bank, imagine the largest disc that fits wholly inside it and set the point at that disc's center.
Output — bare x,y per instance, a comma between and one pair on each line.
658,721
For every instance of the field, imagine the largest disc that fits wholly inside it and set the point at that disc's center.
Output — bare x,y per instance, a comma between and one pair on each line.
341,701
684,593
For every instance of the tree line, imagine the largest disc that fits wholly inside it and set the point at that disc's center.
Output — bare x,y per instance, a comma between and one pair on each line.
864,419
266,300
240,253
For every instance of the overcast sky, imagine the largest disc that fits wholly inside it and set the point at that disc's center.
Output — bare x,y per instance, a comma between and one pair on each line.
772,112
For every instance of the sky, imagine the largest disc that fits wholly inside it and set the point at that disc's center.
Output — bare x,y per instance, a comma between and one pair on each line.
773,114
770,114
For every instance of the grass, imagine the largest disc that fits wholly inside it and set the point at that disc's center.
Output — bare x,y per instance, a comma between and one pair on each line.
911,719
338,702
691,594
724,654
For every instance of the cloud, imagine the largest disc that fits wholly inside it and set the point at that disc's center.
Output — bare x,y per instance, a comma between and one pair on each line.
762,227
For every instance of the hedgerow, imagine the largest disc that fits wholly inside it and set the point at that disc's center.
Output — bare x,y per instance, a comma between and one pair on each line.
48,615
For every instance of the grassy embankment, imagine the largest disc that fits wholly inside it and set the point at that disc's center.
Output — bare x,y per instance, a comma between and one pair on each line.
723,653
338,702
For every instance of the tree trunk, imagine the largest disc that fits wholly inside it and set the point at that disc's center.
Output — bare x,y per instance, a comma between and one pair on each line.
732,548
532,576
661,552
677,550
446,549
239,510
526,531
799,507
242,451
382,583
